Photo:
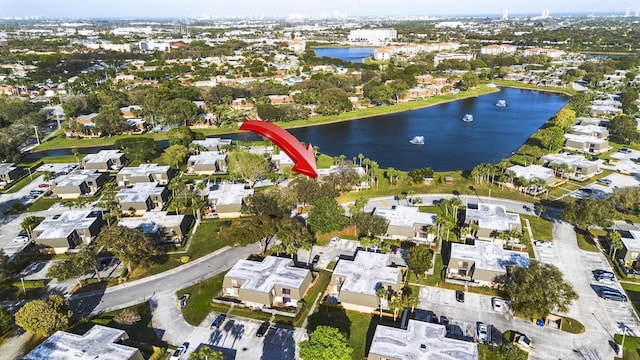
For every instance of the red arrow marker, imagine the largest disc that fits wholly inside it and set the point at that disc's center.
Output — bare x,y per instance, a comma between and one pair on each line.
304,159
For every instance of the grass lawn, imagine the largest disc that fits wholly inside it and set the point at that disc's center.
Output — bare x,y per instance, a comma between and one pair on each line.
20,184
42,204
633,292
540,227
430,280
357,327
572,326
631,349
516,84
199,304
586,241
204,241
141,334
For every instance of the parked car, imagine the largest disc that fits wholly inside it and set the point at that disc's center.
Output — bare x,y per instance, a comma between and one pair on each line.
264,327
482,332
522,341
603,273
612,294
586,190
497,304
218,321
459,296
43,186
315,260
334,241
543,244
21,239
624,151
605,280
177,354
605,181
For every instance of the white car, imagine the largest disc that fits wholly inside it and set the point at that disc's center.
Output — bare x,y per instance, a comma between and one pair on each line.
21,239
334,241
177,354
605,280
482,332
543,244
497,304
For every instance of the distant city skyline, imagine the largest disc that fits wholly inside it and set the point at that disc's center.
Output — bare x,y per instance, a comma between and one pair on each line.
259,8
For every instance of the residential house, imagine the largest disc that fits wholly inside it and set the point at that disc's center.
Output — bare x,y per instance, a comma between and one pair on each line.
579,168
281,160
67,230
596,131
498,49
407,223
104,161
9,173
297,46
630,251
213,144
592,121
483,263
78,182
142,197
354,282
226,200
144,173
274,282
136,125
585,144
88,126
207,163
361,184
100,342
131,111
492,219
605,107
419,341
551,53
161,225
534,173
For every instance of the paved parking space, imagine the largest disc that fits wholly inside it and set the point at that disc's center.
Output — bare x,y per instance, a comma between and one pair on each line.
547,254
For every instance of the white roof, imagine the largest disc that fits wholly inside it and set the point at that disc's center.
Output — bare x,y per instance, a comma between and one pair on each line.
421,340
364,274
585,139
207,157
212,142
632,243
334,169
144,170
229,194
405,216
139,192
589,129
61,225
97,343
102,157
77,177
282,159
263,276
151,222
489,256
569,159
493,216
532,172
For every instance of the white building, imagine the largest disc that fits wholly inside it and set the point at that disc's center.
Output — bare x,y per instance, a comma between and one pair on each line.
372,36
498,49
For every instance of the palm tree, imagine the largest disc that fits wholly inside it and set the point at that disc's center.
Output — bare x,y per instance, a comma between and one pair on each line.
360,157
541,208
474,228
455,204
504,236
395,305
381,293
413,301
277,249
615,241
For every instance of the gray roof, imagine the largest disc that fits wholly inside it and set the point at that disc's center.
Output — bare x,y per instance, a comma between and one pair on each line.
589,129
229,194
591,121
263,276
77,177
144,170
587,139
61,225
366,272
7,167
532,172
97,343
405,216
152,222
212,142
632,243
489,256
493,216
139,192
421,340
569,159
207,158
102,157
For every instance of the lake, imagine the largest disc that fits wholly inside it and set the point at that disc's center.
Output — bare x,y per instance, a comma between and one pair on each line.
346,54
450,143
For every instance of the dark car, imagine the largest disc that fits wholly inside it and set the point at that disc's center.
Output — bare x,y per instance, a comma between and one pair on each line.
459,296
263,329
612,294
315,260
218,321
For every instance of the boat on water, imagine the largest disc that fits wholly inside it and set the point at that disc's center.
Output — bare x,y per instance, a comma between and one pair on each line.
467,118
501,103
417,140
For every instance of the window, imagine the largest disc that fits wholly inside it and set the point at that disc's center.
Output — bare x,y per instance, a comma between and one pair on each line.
286,291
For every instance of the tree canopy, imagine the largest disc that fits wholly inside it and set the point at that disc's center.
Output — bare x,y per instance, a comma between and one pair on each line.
588,212
419,259
132,247
140,148
110,121
326,216
623,129
539,290
247,166
325,342
44,317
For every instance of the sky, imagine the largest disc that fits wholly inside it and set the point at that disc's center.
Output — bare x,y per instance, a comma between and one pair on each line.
191,8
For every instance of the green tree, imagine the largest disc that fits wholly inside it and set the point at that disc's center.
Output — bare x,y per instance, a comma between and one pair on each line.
564,118
182,136
623,129
110,121
178,112
333,101
585,213
413,301
326,216
508,351
5,274
29,223
325,342
469,81
6,321
419,259
615,243
395,305
628,98
539,290
552,138
369,225
256,229
206,353
44,317
140,148
132,247
628,198
271,203
76,106
247,166
175,155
